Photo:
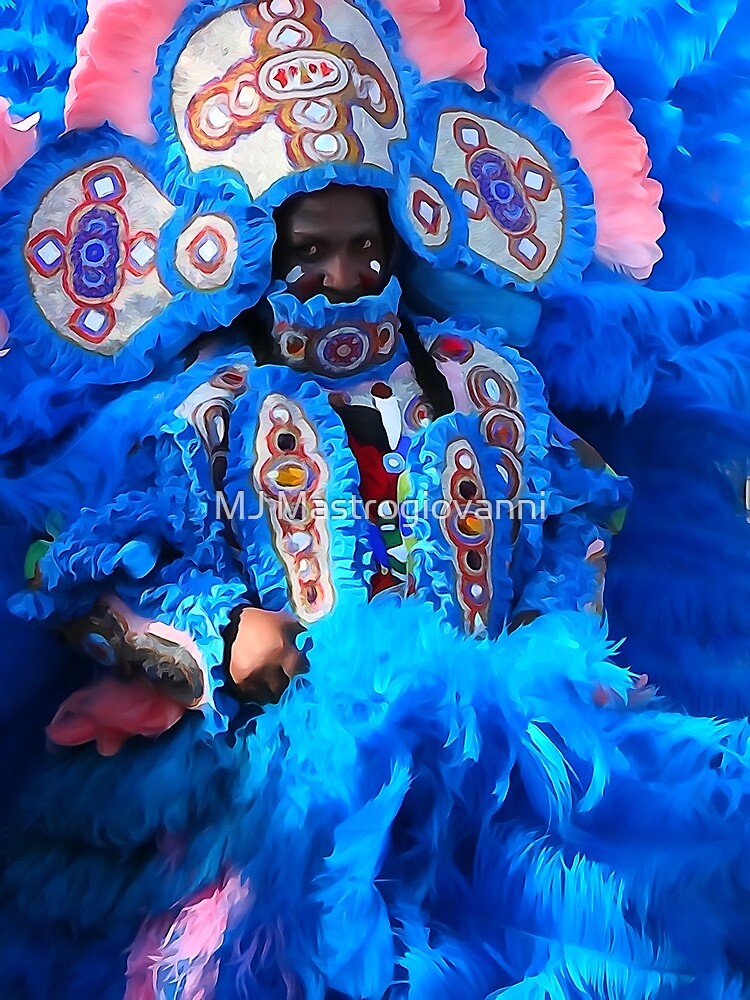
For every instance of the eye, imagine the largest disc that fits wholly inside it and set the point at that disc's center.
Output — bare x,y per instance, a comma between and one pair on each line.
308,251
366,244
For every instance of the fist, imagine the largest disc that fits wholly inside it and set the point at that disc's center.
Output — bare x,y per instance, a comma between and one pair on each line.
263,657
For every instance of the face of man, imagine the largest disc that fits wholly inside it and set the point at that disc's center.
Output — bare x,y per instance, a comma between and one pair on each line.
333,242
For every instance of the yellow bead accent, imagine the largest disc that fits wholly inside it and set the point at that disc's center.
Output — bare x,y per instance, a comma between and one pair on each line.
292,475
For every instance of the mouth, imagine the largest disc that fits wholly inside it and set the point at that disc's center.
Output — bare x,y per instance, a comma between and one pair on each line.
339,298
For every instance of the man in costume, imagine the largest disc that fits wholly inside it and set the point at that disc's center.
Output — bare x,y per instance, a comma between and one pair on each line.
435,810
336,322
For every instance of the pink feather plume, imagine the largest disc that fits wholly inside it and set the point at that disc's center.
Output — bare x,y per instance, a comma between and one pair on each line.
182,948
4,333
440,40
113,75
581,98
17,142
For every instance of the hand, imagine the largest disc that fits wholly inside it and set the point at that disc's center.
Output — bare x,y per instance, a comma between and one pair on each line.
263,657
119,638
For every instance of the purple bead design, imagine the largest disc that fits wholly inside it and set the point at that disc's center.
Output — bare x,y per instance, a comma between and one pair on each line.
95,255
502,192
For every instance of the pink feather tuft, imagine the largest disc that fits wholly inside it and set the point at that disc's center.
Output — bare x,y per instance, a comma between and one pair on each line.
182,948
440,40
17,143
110,711
580,97
112,78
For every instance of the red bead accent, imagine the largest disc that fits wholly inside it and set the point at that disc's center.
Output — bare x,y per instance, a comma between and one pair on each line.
453,348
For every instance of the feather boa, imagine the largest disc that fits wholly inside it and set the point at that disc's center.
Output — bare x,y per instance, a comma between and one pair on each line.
459,816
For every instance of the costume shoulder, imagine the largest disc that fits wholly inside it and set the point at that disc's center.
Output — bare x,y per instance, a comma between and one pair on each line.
489,377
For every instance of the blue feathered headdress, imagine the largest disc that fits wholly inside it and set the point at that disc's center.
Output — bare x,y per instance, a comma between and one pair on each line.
118,253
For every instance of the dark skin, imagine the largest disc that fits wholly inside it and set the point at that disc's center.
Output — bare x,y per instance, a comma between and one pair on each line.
335,242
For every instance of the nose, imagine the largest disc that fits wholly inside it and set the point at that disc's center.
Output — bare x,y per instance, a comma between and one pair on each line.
342,276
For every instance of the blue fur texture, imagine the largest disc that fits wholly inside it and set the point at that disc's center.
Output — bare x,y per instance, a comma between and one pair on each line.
655,373
455,815
422,817
38,45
